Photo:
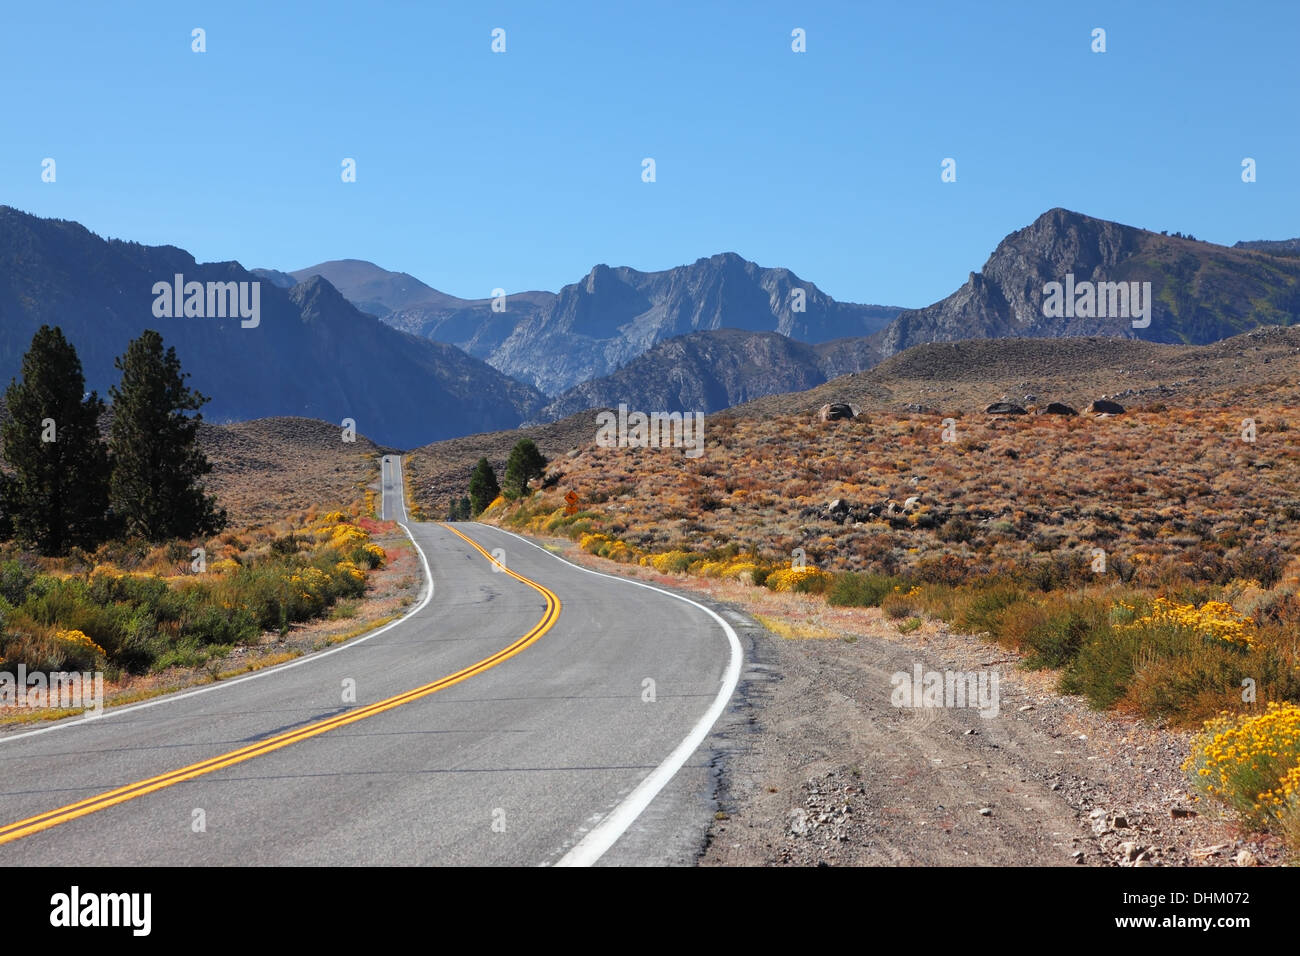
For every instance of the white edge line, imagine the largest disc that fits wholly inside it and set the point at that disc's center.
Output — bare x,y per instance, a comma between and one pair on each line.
606,833
307,659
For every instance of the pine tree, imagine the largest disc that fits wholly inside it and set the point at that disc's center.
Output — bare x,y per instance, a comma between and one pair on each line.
483,488
524,464
57,496
156,490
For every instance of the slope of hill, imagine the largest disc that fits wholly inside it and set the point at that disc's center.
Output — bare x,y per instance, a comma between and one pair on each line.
1277,247
440,471
710,371
265,469
1201,292
311,352
1260,368
964,377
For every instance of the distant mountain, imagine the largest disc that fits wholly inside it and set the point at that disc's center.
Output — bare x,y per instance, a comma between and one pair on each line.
276,277
406,303
1201,292
593,327
601,323
1277,247
710,371
375,290
312,353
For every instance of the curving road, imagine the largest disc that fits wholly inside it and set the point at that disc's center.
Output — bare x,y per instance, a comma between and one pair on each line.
510,718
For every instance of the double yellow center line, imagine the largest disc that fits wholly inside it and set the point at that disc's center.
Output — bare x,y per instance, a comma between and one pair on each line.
23,828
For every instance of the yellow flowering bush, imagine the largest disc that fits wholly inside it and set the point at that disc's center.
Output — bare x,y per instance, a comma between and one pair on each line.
1251,763
670,562
1216,619
349,570
798,579
77,641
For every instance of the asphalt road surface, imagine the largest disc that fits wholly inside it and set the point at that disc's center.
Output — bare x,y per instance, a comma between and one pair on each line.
542,714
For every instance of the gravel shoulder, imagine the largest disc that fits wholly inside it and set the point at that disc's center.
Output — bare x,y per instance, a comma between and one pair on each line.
825,770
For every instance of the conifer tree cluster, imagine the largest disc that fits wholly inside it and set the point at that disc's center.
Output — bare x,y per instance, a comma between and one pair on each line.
68,485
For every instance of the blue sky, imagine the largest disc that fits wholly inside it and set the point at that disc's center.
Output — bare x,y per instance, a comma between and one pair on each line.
522,170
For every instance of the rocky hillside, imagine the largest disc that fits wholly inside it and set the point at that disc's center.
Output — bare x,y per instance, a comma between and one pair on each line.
312,353
1202,292
961,378
710,371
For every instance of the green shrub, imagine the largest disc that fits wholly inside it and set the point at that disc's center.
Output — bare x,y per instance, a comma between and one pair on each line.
853,589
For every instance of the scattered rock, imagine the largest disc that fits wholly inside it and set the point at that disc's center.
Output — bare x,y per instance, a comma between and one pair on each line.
838,411
1130,850
1246,858
1005,408
1106,406
1058,408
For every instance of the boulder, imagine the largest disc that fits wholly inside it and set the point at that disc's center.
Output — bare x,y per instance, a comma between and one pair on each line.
838,411
1058,408
1106,406
1004,408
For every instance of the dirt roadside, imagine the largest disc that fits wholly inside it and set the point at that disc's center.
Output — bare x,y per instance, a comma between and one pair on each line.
830,772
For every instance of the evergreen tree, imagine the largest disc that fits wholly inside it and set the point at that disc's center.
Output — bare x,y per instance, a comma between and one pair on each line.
464,508
156,490
483,488
57,496
525,464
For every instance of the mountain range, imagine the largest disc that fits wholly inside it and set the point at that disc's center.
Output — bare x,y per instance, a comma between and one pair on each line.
410,364
593,327
312,353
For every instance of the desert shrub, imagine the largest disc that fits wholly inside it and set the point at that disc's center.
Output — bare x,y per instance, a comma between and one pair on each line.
957,530
1065,625
985,603
805,580
671,562
14,580
854,589
1249,763
898,604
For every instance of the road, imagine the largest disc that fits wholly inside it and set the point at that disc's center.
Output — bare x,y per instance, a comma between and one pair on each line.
547,712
